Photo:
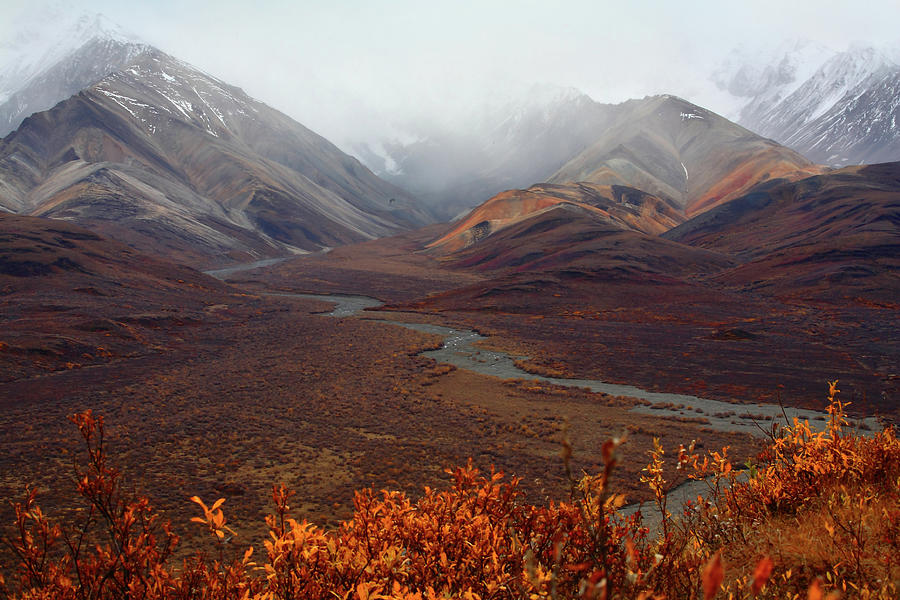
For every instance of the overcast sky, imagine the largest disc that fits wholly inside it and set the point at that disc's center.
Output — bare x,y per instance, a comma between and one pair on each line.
343,66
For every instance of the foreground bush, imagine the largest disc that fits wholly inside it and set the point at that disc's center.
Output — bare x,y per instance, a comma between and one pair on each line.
819,515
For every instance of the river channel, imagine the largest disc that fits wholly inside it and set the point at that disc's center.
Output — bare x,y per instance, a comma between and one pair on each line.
459,349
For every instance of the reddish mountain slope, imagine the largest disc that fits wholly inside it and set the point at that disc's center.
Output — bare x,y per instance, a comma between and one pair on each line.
832,235
620,206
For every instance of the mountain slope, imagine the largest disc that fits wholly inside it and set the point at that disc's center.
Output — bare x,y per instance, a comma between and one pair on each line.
180,163
72,298
87,65
835,108
861,128
671,148
622,207
46,64
759,79
828,236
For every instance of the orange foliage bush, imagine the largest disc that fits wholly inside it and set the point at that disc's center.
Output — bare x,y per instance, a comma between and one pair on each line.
478,539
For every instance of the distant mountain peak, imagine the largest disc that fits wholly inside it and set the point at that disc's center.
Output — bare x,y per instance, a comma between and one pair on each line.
835,107
55,56
45,37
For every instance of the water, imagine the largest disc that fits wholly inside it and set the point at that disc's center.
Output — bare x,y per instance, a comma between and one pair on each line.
226,272
459,350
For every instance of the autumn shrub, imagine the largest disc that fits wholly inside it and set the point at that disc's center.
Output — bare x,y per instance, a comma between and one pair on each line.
817,514
818,504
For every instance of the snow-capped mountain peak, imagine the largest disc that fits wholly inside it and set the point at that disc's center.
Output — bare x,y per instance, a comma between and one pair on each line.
52,58
43,39
812,99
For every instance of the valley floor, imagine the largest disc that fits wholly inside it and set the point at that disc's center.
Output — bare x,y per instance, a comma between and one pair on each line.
255,390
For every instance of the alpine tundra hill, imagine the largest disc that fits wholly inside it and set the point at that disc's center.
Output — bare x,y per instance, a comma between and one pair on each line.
72,299
621,206
832,237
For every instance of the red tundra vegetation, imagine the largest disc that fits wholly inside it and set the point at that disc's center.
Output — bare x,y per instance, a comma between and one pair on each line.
818,516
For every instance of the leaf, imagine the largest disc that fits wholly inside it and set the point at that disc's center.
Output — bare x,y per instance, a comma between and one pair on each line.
762,574
713,574
615,501
217,503
815,591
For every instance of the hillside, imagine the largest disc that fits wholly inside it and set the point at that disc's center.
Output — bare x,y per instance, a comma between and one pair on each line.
72,299
180,164
671,148
621,206
830,236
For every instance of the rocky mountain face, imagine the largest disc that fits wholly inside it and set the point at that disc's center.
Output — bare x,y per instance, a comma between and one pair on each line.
835,108
862,128
178,163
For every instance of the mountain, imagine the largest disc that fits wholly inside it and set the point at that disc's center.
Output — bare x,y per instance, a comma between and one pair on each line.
575,241
658,162
510,143
861,128
671,148
622,207
759,79
179,163
830,236
46,65
835,108
663,145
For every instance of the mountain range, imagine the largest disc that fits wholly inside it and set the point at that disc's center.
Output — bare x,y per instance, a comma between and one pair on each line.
835,108
178,163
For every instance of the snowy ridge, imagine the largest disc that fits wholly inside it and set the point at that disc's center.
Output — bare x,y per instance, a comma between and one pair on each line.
764,77
156,84
867,116
830,84
50,61
47,38
836,108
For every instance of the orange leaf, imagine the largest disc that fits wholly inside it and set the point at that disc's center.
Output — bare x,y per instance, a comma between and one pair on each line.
362,590
815,591
713,574
761,574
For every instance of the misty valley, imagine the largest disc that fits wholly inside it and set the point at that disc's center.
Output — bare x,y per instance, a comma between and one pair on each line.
559,348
